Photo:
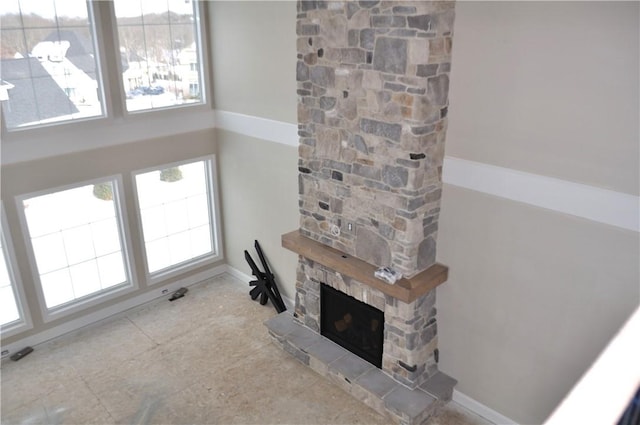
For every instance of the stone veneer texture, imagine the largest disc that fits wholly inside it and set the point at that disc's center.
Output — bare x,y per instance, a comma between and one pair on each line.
410,329
373,80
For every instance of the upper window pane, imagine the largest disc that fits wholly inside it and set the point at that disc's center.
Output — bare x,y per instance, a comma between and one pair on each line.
49,71
161,57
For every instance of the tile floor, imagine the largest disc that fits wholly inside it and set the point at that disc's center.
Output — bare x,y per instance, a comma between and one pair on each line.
203,359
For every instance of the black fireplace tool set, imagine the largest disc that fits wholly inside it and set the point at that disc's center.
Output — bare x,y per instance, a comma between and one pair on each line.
265,284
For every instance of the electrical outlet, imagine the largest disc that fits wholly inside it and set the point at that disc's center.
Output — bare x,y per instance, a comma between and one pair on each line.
349,227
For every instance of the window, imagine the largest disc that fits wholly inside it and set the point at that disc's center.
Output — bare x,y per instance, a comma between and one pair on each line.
160,52
176,206
52,58
49,69
9,309
12,315
77,244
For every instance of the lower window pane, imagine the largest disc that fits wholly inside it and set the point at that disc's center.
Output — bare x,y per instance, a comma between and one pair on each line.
176,213
78,252
8,308
57,288
11,314
111,269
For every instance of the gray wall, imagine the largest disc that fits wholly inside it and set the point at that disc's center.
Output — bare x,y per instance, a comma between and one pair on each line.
259,187
549,88
254,56
534,295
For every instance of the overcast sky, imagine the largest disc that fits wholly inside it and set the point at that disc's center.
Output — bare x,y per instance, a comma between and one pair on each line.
78,8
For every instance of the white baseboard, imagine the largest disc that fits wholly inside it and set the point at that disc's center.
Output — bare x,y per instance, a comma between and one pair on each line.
239,274
110,311
288,302
480,409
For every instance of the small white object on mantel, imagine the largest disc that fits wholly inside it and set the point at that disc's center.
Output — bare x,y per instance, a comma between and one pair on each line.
388,275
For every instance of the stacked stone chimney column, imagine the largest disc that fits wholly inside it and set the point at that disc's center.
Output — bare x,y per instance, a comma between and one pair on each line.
373,80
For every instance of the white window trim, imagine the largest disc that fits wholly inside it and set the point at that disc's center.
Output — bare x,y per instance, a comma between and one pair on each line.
25,322
101,68
117,126
131,285
200,44
214,212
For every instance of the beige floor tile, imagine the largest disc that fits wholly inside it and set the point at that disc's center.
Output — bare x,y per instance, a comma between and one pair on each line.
198,404
125,387
33,412
215,303
454,414
203,359
34,377
345,408
76,405
101,346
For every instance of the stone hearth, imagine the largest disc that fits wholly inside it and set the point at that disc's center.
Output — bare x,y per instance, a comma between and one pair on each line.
359,378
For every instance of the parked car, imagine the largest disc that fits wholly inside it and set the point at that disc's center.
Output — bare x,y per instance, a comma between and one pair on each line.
134,93
153,90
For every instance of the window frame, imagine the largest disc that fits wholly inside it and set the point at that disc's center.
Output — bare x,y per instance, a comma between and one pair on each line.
214,211
200,46
24,322
98,298
120,123
101,68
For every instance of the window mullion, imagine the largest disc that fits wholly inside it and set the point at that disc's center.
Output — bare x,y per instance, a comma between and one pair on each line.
110,60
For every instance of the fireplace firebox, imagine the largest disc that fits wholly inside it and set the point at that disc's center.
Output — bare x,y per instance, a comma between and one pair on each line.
354,325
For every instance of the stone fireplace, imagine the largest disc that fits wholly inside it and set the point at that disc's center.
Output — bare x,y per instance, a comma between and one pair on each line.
373,79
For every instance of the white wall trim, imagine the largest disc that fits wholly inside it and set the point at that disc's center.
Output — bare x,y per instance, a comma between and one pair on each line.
288,302
261,128
70,138
593,203
480,409
108,312
590,202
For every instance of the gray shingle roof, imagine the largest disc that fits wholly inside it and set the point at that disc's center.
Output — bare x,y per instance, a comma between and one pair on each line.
21,108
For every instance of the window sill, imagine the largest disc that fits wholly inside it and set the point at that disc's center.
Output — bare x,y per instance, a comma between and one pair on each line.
27,145
15,328
182,268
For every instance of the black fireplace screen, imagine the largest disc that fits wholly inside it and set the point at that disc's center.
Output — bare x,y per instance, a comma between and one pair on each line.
354,325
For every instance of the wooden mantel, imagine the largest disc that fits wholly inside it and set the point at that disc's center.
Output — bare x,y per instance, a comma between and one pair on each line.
406,290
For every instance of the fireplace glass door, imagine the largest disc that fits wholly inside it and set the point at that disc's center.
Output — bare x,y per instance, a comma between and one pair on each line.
354,325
